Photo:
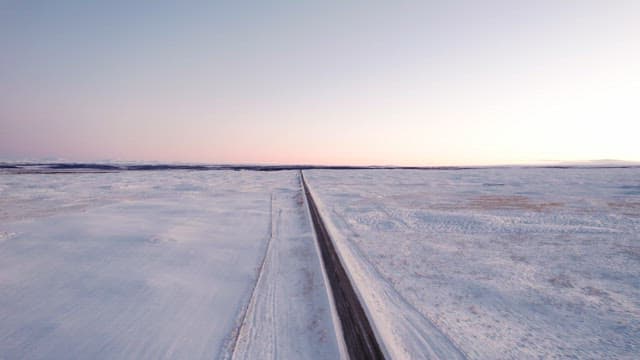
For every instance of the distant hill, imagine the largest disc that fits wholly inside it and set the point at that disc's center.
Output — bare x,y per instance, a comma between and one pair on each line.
601,162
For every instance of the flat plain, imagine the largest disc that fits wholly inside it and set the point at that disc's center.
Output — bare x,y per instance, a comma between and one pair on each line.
159,264
508,263
484,263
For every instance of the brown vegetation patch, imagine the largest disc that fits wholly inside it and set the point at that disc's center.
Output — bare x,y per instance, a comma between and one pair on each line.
561,280
630,208
510,202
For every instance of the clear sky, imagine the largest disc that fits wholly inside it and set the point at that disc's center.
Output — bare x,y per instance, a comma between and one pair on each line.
324,82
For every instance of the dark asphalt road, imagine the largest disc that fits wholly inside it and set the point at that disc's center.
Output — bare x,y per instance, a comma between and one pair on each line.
358,335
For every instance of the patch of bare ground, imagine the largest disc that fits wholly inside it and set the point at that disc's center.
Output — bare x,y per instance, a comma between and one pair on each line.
510,202
629,208
562,281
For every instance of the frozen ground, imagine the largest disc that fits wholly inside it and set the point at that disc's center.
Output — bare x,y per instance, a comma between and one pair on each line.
492,263
290,315
157,264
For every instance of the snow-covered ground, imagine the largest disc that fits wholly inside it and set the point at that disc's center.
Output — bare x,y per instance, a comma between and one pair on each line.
483,263
159,264
290,315
492,263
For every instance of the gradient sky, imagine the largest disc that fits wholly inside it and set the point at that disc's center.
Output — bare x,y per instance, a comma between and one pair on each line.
325,82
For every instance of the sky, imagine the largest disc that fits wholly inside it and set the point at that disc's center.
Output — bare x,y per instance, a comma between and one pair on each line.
320,82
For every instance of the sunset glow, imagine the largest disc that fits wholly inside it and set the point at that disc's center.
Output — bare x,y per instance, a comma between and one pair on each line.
404,83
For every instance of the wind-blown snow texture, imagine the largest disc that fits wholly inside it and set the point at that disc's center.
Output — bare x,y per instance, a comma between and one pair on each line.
503,263
139,264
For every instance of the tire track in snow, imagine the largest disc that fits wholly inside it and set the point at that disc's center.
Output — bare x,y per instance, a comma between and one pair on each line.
231,349
289,315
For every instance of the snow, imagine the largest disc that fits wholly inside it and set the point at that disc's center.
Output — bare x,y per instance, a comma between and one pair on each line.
475,263
290,298
157,264
492,263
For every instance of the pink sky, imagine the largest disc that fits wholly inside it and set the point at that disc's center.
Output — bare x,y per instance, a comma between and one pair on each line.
410,83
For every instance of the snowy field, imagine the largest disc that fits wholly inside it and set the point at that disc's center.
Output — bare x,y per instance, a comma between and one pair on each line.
492,263
159,264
